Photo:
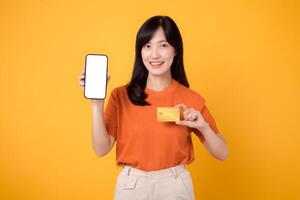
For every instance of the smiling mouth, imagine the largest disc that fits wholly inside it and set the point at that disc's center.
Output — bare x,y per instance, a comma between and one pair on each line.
156,64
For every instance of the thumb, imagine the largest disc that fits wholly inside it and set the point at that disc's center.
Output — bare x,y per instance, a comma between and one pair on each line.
184,122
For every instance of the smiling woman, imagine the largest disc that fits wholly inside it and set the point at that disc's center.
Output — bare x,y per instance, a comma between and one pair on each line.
154,153
158,54
158,58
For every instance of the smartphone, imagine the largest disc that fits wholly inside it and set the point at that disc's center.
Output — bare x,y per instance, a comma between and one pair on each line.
96,66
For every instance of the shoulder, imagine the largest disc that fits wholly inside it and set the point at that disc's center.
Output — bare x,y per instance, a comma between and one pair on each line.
119,91
189,93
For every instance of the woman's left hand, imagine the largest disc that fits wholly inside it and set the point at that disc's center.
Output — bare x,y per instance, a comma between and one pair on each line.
192,117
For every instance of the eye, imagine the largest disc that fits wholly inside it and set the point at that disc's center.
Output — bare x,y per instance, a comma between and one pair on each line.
164,45
147,46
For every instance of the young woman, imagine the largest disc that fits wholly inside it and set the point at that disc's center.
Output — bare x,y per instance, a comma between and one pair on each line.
154,154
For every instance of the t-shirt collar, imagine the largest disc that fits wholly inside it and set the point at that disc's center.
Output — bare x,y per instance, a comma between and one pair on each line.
172,85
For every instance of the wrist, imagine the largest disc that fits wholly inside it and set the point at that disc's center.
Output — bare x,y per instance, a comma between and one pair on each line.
96,103
203,127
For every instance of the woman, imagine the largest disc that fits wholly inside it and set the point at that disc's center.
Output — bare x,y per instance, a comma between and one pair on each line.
154,154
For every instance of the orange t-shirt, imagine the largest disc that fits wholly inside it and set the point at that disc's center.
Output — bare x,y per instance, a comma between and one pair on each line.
142,141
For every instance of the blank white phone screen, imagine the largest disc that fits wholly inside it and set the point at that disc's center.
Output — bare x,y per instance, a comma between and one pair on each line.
95,76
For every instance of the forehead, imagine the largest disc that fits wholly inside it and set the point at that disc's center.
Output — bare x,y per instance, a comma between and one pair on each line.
159,36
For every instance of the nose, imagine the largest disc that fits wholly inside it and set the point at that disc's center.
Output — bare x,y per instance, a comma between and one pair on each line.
155,53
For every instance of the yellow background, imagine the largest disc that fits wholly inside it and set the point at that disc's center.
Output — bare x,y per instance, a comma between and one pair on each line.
241,56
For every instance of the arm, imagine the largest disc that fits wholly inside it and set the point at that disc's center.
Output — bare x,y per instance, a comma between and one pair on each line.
205,128
214,142
102,141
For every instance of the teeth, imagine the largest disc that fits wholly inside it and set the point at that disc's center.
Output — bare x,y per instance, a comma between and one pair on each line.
156,63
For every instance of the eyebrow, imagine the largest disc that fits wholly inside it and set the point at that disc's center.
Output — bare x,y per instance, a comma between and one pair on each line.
160,41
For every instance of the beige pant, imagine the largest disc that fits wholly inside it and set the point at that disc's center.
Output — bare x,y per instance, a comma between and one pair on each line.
173,183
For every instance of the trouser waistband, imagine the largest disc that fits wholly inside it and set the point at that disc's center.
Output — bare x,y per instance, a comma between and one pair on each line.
172,171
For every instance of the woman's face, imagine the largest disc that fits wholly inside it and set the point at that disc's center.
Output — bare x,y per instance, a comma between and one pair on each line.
158,54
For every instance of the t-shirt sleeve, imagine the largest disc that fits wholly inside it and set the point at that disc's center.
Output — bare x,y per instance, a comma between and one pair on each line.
209,119
111,114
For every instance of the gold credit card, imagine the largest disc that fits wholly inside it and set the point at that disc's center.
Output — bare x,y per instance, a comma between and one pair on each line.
168,114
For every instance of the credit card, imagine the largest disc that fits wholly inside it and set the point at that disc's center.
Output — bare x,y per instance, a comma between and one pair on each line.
168,114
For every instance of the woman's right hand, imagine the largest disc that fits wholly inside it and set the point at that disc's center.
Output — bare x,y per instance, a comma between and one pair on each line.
82,82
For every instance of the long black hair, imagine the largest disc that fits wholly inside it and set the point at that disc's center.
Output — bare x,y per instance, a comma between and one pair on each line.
135,88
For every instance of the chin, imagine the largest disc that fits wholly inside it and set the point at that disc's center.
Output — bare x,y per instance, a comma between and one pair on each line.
158,71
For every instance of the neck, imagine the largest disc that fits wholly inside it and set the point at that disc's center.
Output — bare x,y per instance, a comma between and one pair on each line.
157,83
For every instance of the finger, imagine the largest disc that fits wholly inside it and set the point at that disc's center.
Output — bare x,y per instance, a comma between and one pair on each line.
82,75
181,105
187,111
81,83
190,110
192,116
184,123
